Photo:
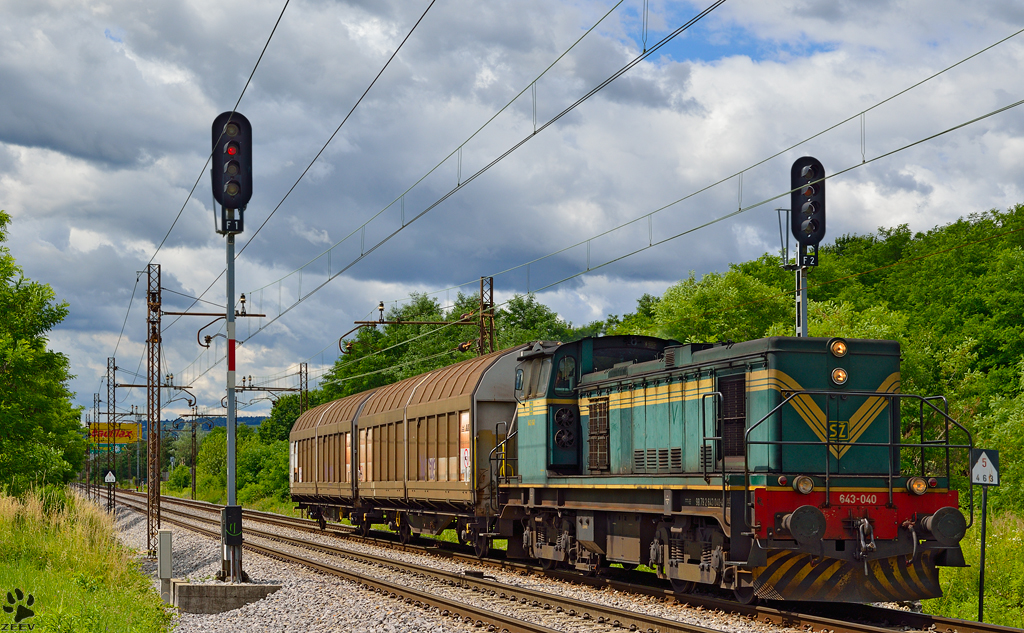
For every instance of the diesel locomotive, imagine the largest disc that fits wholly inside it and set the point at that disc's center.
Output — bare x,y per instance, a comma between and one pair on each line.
779,468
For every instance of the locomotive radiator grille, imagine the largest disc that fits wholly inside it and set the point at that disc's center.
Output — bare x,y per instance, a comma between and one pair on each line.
597,455
733,414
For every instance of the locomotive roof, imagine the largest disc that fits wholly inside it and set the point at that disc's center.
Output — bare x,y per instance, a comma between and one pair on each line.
680,356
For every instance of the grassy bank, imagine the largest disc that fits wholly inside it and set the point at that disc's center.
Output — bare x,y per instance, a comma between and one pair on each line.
61,551
1004,576
216,494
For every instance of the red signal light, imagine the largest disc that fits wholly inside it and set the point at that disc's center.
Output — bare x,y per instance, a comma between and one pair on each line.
232,150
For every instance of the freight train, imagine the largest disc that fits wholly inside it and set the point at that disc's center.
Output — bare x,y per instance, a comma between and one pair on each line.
779,468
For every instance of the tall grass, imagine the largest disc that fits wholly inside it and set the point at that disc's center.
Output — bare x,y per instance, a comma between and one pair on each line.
1004,575
213,493
61,549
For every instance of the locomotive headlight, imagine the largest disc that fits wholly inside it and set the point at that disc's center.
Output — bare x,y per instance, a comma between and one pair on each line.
839,376
803,484
838,347
917,485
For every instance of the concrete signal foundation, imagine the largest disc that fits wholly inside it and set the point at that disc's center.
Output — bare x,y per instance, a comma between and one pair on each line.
217,597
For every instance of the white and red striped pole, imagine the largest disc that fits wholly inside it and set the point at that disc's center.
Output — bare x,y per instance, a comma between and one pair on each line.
232,562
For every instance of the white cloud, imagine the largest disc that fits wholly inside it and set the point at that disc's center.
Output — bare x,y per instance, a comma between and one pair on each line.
104,129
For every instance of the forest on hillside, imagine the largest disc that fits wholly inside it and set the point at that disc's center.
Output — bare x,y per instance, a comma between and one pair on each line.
951,296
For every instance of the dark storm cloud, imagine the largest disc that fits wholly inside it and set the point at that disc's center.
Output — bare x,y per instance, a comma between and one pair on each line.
898,180
121,96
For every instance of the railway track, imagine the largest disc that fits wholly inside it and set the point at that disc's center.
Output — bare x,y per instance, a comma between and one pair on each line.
842,618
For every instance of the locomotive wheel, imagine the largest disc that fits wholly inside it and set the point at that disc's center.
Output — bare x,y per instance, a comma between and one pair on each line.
482,546
745,595
682,586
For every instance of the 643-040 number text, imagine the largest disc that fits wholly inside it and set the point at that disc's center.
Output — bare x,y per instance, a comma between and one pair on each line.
859,498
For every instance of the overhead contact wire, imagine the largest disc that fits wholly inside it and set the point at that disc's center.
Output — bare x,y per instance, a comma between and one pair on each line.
487,167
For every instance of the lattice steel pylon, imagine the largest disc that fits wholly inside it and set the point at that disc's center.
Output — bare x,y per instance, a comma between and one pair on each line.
485,344
153,406
303,387
110,434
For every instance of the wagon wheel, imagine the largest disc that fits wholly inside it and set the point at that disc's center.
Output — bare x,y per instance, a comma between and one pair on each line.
682,586
364,526
323,522
461,533
745,595
404,532
547,564
482,546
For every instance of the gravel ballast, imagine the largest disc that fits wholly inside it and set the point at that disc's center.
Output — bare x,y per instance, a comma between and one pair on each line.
312,601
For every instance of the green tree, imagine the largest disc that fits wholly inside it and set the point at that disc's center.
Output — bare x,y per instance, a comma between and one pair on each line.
213,455
732,306
40,434
831,318
641,322
524,319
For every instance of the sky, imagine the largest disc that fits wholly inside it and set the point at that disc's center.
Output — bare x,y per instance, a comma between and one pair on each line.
105,127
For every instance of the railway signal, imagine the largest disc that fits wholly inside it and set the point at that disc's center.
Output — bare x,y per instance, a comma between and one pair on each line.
807,220
231,170
232,188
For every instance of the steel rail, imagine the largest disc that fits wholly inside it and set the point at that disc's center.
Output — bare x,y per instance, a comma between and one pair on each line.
467,613
842,616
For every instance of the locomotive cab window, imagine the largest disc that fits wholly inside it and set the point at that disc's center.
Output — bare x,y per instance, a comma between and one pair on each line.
565,379
535,378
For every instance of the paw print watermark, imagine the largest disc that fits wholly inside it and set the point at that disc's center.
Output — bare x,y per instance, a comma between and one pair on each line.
23,610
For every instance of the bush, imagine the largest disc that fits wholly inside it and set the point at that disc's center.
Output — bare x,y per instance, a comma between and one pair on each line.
181,478
1004,576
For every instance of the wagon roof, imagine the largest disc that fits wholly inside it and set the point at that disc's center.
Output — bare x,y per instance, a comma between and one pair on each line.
448,382
340,410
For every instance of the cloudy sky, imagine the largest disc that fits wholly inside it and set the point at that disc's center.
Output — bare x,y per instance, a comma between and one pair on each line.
106,108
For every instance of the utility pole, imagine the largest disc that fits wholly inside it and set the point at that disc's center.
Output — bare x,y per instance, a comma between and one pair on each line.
111,433
486,316
303,387
88,457
96,422
153,339
483,320
801,299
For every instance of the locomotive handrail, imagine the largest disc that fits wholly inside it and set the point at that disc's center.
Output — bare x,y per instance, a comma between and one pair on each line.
945,407
493,458
748,513
716,438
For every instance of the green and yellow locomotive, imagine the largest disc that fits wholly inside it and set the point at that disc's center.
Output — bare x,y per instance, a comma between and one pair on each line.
772,467
782,468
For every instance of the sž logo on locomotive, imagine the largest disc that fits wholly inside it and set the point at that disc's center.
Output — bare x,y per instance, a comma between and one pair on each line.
838,431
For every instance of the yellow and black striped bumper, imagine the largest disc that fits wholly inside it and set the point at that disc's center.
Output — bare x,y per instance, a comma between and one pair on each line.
799,576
